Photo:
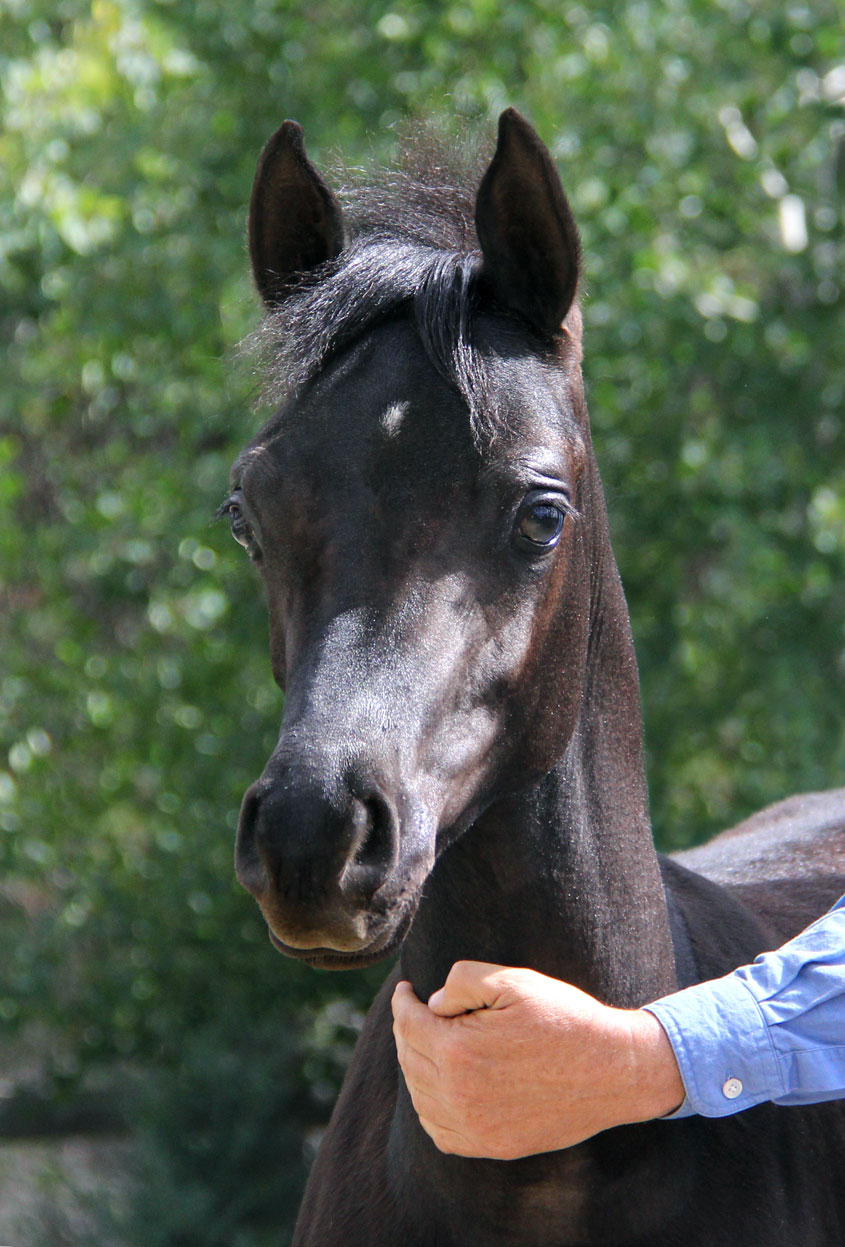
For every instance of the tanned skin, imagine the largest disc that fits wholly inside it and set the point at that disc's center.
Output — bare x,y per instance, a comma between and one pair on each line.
504,1062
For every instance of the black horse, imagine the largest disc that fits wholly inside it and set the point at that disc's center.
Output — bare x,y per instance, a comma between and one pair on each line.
459,769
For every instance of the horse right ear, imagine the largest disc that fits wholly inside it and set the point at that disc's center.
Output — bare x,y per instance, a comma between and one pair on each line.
529,240
294,219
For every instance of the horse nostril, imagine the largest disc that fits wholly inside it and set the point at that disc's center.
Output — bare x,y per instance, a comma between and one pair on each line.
298,848
248,864
374,844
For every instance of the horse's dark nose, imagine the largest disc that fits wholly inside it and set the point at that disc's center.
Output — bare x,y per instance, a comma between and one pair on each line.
314,858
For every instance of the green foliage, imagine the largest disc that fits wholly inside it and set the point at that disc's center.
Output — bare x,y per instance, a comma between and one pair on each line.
220,1139
703,147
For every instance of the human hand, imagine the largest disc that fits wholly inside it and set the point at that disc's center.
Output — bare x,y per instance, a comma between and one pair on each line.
506,1062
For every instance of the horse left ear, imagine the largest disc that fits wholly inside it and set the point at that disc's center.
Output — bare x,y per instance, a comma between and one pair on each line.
528,236
294,219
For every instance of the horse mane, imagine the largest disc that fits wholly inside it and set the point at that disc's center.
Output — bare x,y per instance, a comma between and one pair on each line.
410,249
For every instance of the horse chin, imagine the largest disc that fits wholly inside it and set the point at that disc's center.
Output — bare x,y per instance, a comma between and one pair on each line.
386,942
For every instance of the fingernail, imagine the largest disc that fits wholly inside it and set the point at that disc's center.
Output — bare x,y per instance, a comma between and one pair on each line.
436,998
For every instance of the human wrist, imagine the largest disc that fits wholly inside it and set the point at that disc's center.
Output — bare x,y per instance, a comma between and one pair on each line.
654,1087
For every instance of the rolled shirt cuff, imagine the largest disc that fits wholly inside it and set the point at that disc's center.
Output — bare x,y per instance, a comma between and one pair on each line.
722,1045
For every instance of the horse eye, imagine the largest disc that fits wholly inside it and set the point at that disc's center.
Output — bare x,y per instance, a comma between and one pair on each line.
240,526
241,530
540,525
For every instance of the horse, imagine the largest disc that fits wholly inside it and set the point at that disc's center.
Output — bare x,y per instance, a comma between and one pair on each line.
459,772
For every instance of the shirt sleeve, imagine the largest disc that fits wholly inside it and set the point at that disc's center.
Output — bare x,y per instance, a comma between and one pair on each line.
774,1030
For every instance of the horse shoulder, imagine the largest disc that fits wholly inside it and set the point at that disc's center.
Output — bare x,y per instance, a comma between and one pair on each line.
347,1198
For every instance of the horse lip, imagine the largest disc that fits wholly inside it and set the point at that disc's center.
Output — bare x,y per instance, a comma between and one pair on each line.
318,952
315,950
335,959
387,940
350,935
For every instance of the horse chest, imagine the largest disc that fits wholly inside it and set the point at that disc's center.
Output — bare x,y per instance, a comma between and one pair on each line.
460,1203
588,1194
665,1185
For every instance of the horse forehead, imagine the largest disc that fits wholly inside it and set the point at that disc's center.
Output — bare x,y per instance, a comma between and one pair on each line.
382,393
381,416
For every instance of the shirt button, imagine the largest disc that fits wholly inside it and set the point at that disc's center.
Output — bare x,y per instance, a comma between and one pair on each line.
731,1088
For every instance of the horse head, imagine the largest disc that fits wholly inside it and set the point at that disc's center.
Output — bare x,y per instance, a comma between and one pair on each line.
422,510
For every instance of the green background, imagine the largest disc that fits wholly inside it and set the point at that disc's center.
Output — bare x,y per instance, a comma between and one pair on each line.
702,145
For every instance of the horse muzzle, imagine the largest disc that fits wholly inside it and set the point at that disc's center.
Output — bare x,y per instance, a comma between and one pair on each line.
322,859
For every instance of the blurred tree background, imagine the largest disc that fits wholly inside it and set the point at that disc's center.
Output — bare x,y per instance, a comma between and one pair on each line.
703,147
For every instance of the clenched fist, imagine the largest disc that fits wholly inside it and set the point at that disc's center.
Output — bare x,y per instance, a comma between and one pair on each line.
504,1062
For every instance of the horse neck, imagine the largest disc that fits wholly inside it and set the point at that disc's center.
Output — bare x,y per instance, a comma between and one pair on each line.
563,877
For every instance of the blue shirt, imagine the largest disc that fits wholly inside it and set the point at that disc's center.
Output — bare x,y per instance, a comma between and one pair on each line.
774,1030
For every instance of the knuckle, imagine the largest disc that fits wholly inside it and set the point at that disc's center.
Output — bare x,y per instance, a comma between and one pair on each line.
458,973
515,981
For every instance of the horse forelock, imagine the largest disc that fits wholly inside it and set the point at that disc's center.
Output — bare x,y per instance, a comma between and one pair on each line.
411,250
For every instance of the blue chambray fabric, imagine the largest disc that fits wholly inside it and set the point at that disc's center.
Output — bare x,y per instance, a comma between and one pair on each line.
777,1026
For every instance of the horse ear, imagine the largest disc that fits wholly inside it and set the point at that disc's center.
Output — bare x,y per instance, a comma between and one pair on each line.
528,235
294,219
